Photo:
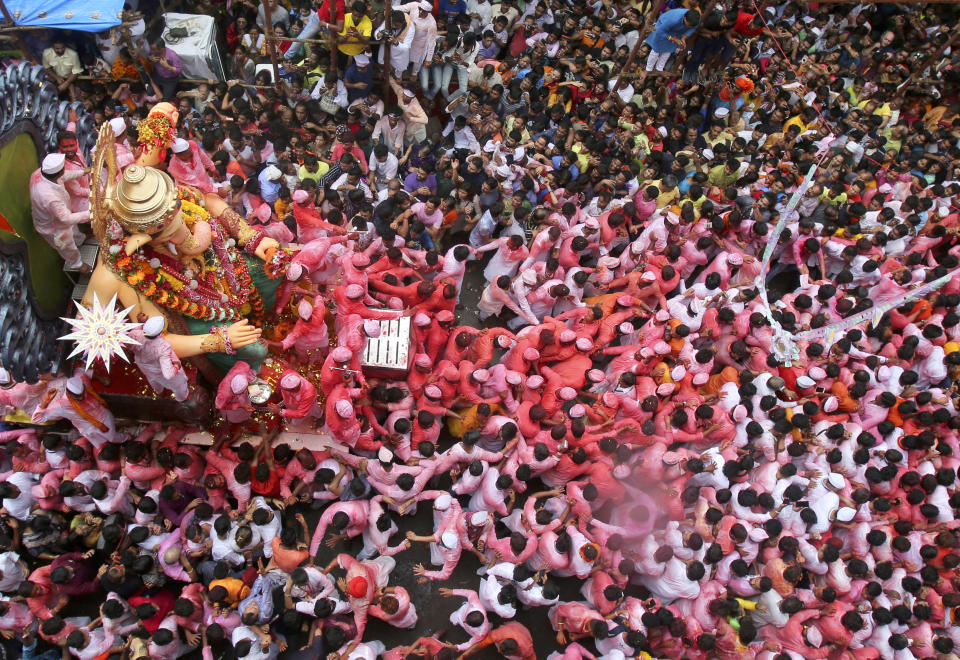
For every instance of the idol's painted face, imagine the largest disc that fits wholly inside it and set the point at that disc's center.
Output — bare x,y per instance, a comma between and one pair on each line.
175,232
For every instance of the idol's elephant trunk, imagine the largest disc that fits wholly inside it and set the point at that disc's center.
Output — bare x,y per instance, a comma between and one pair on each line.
196,241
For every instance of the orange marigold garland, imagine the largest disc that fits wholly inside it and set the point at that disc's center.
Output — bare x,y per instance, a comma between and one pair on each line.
217,295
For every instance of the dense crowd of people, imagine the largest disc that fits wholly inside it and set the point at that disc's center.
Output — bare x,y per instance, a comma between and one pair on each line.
642,404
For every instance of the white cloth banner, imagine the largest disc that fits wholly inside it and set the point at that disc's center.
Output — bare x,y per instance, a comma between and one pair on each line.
198,50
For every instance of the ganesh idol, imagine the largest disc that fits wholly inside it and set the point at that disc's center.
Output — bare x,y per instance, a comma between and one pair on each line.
171,250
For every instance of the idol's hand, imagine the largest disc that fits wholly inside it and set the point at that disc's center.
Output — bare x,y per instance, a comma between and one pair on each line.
242,333
266,248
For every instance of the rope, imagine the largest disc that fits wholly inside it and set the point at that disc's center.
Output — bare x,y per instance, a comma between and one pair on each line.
875,312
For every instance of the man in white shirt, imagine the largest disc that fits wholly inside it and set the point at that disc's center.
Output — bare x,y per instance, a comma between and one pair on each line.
78,498
480,12
350,180
336,86
246,643
12,572
463,137
265,523
383,167
223,548
111,496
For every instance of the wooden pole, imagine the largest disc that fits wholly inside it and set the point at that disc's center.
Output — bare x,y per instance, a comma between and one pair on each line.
890,2
385,49
333,36
13,26
315,41
644,31
28,28
193,81
268,6
20,28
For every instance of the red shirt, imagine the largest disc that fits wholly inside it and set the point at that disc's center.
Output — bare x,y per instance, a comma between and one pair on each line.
270,487
742,26
162,600
515,631
323,13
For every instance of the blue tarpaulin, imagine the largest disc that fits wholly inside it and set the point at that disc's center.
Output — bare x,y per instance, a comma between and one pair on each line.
85,15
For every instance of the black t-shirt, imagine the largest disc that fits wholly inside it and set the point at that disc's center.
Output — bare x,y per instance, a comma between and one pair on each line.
130,585
537,123
712,25
475,179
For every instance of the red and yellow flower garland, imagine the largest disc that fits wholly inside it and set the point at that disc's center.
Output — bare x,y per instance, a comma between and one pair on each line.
154,131
202,298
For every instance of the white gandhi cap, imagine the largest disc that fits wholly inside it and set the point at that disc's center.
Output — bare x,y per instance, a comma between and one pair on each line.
52,163
272,173
75,385
835,481
449,540
119,126
846,513
154,326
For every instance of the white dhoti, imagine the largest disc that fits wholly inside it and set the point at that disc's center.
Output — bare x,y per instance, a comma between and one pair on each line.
53,218
66,240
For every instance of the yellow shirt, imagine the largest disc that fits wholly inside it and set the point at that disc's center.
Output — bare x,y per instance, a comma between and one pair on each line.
880,110
794,121
665,197
718,176
304,173
471,420
839,200
697,203
583,161
723,136
525,135
365,28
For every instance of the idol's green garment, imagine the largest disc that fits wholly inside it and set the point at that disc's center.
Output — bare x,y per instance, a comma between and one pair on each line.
254,354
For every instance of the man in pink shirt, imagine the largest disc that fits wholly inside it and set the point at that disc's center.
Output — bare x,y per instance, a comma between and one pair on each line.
340,414
232,398
191,166
471,616
299,398
74,401
309,336
348,519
